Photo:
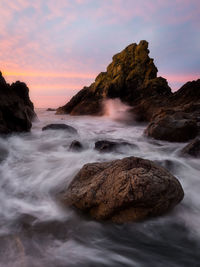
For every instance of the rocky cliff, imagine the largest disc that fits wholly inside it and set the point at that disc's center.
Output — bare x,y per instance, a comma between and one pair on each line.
16,108
132,77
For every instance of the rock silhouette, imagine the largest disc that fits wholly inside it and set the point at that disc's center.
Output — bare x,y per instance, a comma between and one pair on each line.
16,108
60,126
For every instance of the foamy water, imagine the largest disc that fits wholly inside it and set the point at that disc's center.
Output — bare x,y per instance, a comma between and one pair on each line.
35,230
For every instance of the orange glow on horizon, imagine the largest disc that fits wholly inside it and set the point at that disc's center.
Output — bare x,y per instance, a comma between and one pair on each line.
49,74
56,86
45,93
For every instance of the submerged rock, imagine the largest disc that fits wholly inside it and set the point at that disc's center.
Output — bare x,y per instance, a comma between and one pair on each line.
110,146
192,149
76,146
3,154
16,108
12,252
61,126
51,109
124,190
131,76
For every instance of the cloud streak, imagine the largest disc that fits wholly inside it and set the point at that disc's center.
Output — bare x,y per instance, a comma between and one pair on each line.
66,43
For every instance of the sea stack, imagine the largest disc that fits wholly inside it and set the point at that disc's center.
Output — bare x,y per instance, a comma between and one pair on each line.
131,77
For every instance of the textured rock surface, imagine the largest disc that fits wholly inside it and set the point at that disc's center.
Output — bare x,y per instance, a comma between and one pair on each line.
16,109
131,76
124,190
177,127
178,119
192,149
58,126
110,146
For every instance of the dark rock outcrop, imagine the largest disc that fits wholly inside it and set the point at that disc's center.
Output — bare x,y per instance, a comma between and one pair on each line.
192,149
124,190
60,126
16,109
76,146
177,127
178,120
110,146
132,76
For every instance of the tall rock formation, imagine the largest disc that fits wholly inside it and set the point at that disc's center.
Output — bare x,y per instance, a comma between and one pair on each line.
132,77
16,108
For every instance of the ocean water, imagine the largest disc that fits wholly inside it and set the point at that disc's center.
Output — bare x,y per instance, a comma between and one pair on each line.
35,230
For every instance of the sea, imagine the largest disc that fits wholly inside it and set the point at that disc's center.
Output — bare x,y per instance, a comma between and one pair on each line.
37,230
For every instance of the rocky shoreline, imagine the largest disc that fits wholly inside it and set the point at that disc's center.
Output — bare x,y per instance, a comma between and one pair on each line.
129,189
132,77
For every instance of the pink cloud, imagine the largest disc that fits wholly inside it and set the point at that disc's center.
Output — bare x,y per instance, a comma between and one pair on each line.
42,48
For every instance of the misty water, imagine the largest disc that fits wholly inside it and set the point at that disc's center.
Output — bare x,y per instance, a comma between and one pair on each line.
35,230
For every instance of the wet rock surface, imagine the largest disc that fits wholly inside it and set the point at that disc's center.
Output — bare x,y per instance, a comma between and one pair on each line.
124,190
177,127
16,108
192,149
76,146
112,146
178,120
61,126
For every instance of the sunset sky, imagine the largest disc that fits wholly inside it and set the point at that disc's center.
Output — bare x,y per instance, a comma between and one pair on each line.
58,46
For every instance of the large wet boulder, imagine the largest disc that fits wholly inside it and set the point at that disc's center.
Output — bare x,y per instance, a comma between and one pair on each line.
16,108
124,190
60,126
177,127
192,149
131,77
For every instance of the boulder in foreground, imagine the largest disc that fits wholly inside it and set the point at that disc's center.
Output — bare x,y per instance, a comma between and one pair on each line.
124,190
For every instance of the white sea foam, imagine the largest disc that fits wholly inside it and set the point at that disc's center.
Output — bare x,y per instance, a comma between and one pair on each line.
39,164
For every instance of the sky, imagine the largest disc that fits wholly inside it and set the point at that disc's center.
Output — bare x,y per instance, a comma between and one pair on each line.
58,46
